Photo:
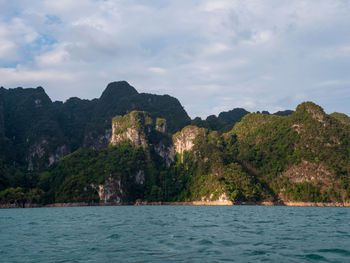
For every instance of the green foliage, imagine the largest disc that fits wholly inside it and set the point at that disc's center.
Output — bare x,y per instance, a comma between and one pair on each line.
29,120
268,145
12,195
138,120
343,118
306,192
19,196
239,155
223,123
73,177
240,185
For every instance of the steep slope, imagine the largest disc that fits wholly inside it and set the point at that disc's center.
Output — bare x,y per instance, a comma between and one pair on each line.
304,156
31,126
43,131
119,99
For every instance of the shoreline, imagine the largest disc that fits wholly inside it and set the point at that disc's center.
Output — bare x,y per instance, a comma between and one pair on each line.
198,203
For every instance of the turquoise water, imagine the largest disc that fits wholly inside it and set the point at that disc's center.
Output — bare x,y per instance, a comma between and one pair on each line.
175,234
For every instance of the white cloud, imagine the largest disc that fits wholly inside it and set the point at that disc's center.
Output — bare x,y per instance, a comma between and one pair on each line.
156,70
261,54
11,75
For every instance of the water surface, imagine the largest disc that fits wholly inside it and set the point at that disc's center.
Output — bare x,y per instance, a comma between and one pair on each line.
175,234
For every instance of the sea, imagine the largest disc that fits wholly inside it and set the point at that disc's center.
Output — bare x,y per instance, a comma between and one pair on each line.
175,234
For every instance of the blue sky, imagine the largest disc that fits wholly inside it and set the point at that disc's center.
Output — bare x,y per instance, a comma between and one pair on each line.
212,55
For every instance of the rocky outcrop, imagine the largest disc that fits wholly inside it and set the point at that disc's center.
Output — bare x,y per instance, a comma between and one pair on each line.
40,152
166,151
308,172
184,140
58,154
141,130
161,125
36,151
111,191
116,190
140,177
315,111
134,127
222,198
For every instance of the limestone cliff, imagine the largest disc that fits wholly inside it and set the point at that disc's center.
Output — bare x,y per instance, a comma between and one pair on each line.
45,151
111,191
135,127
184,140
116,190
141,130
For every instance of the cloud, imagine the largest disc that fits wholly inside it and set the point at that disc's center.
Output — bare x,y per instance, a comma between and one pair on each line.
266,55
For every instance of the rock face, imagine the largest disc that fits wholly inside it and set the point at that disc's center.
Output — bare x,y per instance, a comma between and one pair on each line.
97,141
135,127
141,130
111,191
115,190
309,172
58,154
41,152
314,110
161,125
184,140
28,116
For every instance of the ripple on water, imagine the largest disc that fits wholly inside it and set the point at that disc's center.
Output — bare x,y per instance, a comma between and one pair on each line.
227,243
204,226
258,252
335,251
188,234
114,236
204,242
314,257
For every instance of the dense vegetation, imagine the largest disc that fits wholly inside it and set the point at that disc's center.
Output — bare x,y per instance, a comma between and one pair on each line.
240,156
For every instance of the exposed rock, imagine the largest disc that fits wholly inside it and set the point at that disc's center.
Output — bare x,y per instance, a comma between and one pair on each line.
59,153
111,191
167,152
41,150
140,177
36,150
308,172
161,125
141,130
297,127
316,112
135,127
184,140
133,135
222,198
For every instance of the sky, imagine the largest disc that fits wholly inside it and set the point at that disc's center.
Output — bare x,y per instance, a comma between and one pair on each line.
212,55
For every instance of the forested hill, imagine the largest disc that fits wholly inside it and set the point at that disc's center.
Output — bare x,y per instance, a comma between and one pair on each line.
128,146
36,132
